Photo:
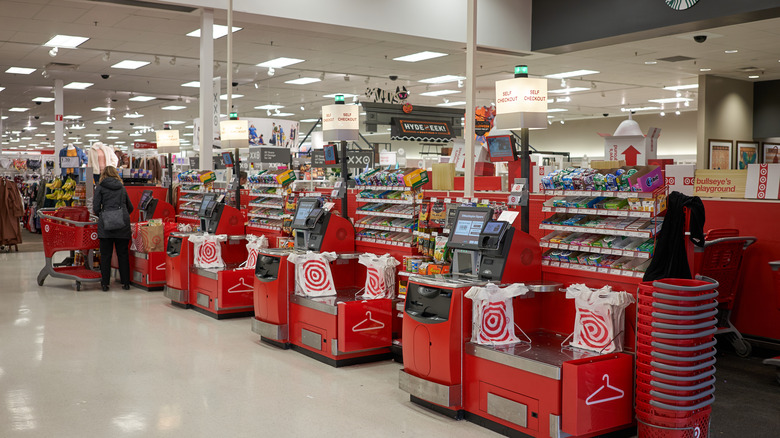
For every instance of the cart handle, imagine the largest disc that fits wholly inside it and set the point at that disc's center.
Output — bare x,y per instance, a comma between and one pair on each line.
681,378
684,359
682,398
683,388
67,221
669,297
683,408
664,346
659,284
663,306
662,315
749,240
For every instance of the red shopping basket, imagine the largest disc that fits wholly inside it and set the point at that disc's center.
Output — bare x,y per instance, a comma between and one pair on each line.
692,426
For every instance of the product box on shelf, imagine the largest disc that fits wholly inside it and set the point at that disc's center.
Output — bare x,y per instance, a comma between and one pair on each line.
416,178
285,177
634,149
647,178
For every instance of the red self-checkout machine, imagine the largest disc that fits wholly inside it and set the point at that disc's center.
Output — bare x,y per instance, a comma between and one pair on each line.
220,293
540,388
338,330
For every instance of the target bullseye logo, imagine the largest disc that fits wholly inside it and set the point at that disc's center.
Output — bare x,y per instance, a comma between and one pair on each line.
495,323
316,275
46,228
593,330
251,260
375,282
208,252
92,236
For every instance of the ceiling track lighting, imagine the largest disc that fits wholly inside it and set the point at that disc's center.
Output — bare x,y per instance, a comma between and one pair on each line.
45,74
346,77
322,76
156,60
172,61
53,52
256,86
368,78
106,56
217,65
236,68
271,71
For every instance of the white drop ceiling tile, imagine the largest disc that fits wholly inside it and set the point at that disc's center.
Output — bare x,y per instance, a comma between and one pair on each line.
21,9
61,14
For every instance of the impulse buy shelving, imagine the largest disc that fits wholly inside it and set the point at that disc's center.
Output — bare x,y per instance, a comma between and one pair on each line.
268,206
387,217
604,232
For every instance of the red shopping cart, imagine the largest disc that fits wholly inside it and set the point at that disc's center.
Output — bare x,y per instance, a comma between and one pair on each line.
721,259
775,361
68,229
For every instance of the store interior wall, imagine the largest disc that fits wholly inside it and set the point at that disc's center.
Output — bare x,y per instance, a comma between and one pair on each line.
725,113
766,109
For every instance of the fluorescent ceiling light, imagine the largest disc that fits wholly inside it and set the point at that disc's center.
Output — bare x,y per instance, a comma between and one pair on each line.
78,85
753,77
112,138
2,88
705,69
92,135
568,90
142,98
130,65
119,142
26,138
280,62
282,114
190,126
174,122
421,56
651,62
133,116
302,81
235,96
269,107
20,70
43,99
99,122
670,100
682,87
439,93
731,51
72,117
556,110
114,131
173,107
101,108
309,120
41,135
644,108
193,84
18,110
452,103
189,134
346,95
135,134
45,123
442,79
218,32
571,74
77,127
31,128
66,41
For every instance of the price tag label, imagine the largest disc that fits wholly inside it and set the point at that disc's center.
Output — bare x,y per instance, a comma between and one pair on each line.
545,262
616,271
447,200
434,199
643,255
639,274
617,252
555,264
603,270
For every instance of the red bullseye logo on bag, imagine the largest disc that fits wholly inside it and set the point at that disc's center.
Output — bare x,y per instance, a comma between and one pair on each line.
375,283
208,252
251,260
317,276
594,331
495,326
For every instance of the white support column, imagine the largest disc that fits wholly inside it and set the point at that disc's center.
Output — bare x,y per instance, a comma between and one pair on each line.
229,58
206,98
59,124
468,128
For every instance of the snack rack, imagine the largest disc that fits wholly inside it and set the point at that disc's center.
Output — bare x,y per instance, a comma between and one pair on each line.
269,198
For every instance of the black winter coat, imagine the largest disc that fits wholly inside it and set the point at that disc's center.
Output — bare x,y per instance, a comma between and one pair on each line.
110,194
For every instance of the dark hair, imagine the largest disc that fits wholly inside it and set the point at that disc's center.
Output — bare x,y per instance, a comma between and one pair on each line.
242,175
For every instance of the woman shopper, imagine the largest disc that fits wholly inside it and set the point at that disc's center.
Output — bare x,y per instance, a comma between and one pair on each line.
113,208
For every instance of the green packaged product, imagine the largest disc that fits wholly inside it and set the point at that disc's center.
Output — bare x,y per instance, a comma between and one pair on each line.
440,250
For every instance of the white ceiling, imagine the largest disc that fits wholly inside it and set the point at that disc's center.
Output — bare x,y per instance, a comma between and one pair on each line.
625,80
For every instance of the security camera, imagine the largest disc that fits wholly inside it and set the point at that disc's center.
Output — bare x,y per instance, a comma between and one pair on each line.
235,84
104,76
605,114
37,103
113,100
393,77
110,127
132,123
700,38
37,117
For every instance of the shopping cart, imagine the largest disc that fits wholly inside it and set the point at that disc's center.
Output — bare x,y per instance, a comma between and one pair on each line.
721,258
775,361
68,229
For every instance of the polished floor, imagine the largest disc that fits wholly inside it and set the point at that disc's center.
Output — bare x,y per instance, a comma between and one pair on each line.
126,363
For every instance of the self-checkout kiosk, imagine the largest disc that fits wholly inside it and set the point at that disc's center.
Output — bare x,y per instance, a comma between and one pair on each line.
437,318
187,286
150,207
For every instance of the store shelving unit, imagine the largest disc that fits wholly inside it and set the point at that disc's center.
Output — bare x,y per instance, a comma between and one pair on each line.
267,207
387,218
608,241
190,197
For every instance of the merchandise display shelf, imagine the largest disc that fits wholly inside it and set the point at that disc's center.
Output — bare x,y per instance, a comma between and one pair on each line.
380,213
386,201
613,194
192,191
606,231
383,244
599,212
596,250
265,205
385,188
269,216
264,226
604,274
383,228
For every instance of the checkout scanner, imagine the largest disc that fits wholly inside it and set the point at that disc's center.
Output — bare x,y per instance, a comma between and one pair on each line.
437,320
210,212
314,229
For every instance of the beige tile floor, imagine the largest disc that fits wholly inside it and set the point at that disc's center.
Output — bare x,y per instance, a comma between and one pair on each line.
127,364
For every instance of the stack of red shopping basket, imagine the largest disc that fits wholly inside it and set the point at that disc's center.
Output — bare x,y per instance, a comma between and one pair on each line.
675,357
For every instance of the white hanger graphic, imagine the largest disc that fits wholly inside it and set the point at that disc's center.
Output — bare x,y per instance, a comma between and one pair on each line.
161,267
368,324
234,289
616,393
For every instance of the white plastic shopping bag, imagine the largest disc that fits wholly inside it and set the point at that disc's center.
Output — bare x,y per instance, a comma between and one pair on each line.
207,251
493,319
313,277
253,245
600,318
380,275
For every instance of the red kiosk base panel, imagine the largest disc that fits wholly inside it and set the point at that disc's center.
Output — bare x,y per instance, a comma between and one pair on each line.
222,294
148,270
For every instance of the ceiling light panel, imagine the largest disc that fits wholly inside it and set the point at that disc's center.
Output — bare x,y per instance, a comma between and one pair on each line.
101,108
193,84
173,107
442,79
142,98
234,96
269,107
43,99
302,81
572,74
682,87
18,110
420,56
556,110
451,103
671,100
20,70
346,95
439,93
282,114
78,85
218,32
568,90
66,41
130,65
280,62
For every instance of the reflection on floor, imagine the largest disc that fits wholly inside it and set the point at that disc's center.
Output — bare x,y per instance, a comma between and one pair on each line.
126,363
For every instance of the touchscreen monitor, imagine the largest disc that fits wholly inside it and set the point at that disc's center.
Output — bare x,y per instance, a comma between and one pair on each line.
302,211
468,225
501,148
204,205
146,197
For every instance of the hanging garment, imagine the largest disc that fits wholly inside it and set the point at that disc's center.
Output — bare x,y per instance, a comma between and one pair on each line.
100,156
670,259
74,152
11,210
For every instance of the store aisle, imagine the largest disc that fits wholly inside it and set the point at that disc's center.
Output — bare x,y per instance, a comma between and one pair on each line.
125,363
